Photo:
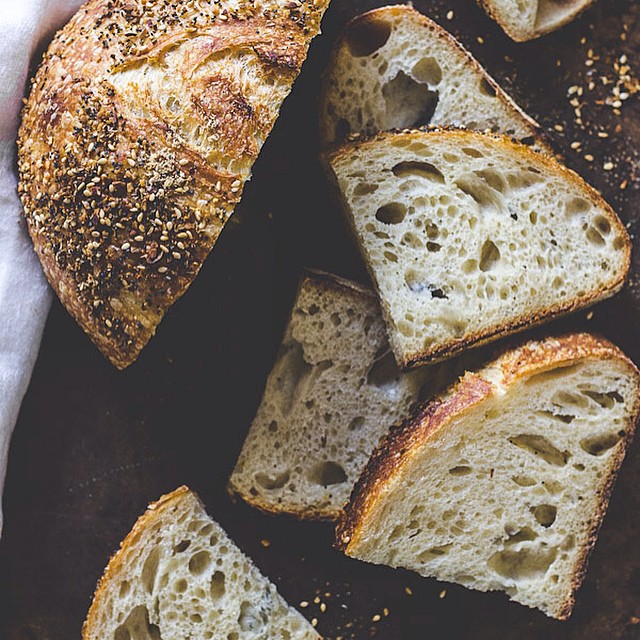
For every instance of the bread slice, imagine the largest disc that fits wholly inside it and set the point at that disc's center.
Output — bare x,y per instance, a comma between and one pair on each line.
333,392
470,236
140,131
394,68
528,19
502,483
178,575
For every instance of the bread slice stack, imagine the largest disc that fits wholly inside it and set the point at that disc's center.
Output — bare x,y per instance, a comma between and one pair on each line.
469,236
394,68
528,19
502,483
332,394
178,575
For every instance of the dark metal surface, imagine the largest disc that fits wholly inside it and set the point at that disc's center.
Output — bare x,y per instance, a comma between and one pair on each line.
93,446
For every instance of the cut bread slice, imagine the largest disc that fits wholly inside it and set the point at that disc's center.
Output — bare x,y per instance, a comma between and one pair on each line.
333,392
394,68
528,19
469,236
502,483
178,575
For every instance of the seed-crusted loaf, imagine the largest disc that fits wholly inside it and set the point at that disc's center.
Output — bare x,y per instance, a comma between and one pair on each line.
502,483
394,68
141,128
333,392
178,575
525,20
469,236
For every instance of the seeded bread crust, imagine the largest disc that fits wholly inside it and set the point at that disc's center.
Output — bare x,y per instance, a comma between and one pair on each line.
524,34
395,13
466,138
140,130
394,453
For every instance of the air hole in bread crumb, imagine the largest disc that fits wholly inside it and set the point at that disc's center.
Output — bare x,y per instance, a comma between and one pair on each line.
356,423
392,213
181,546
180,585
327,473
594,237
137,626
434,552
598,445
150,569
366,35
605,400
519,534
541,448
487,88
545,514
523,564
217,587
460,470
489,256
271,482
576,206
408,103
427,70
199,562
418,169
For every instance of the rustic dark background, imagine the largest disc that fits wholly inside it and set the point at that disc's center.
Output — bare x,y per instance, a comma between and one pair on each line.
93,446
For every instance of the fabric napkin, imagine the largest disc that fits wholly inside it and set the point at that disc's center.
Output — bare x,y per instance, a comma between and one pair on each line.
25,297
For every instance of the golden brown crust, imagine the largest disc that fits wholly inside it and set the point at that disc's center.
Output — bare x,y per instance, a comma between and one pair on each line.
530,358
136,141
437,353
155,512
526,35
535,131
398,448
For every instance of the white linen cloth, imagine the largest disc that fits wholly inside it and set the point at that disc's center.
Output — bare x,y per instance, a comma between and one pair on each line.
24,294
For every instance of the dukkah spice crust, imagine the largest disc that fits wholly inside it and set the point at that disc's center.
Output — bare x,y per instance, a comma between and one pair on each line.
141,128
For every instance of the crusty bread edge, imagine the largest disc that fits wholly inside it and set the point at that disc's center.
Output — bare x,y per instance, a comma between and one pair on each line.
154,511
526,35
402,443
455,346
330,282
536,131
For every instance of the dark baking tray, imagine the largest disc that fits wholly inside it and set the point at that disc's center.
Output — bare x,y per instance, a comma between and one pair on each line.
93,446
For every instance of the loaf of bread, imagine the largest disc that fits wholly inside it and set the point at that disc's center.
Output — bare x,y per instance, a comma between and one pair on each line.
333,392
470,236
178,575
139,133
502,483
527,19
394,68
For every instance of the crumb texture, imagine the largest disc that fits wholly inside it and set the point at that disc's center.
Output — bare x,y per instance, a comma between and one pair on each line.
178,575
509,495
394,69
333,392
527,19
140,131
467,236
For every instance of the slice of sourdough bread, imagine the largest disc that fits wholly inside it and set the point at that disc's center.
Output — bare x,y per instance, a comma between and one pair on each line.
333,392
528,19
469,236
502,483
394,68
178,575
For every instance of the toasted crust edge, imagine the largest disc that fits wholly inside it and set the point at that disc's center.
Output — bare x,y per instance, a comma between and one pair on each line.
154,511
529,358
526,35
536,130
453,347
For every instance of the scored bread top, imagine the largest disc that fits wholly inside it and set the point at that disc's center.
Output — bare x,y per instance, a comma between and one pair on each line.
513,365
468,236
395,68
531,19
141,128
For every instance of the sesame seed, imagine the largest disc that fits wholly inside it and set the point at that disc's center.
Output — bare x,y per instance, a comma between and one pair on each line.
607,166
304,604
162,269
376,618
125,246
450,15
